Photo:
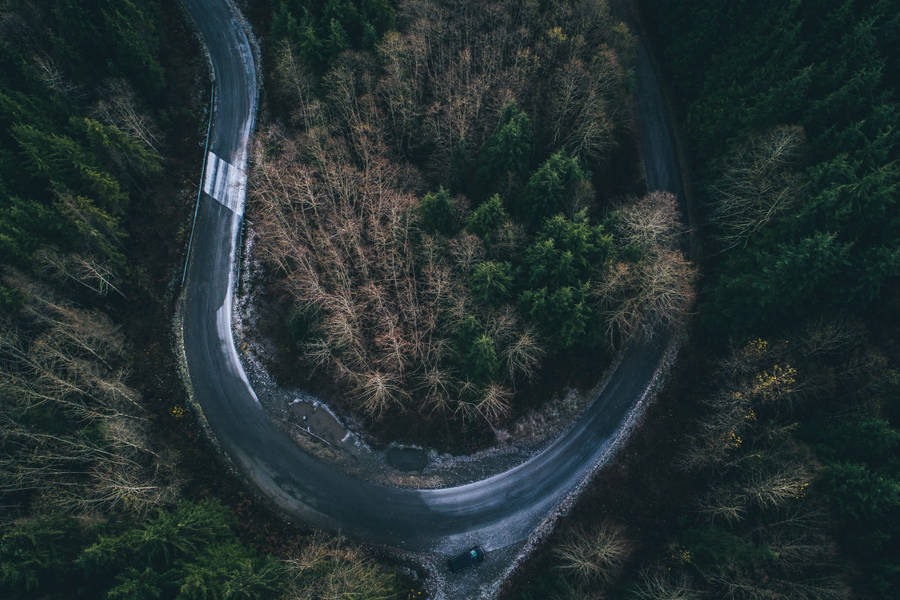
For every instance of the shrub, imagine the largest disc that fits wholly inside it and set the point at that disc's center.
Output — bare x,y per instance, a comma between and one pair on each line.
329,568
481,359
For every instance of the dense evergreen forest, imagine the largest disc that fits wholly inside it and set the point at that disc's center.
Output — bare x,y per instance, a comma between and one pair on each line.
791,115
792,124
74,139
104,484
448,208
786,449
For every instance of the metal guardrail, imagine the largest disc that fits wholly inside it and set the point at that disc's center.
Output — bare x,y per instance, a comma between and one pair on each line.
212,105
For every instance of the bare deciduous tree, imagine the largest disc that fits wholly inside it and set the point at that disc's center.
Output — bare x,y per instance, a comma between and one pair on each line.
584,105
51,75
594,555
71,367
522,355
82,270
758,183
650,222
331,569
658,290
118,108
494,403
656,583
344,236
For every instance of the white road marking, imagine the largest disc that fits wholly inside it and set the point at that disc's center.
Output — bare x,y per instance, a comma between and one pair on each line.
225,183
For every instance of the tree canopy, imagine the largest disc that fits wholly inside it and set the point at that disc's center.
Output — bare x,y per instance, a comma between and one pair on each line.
553,189
830,70
188,552
75,143
320,31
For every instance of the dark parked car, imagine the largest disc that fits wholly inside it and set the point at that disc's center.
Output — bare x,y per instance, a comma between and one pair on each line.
467,559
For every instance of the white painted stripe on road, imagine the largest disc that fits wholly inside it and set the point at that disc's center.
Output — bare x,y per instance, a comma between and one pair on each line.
212,163
225,183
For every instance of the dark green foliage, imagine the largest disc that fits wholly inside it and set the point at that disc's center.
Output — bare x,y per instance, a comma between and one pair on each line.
66,177
776,281
146,584
871,441
548,584
556,274
491,282
231,571
320,31
163,540
482,363
831,68
890,404
566,252
103,38
10,299
69,168
487,218
714,548
551,190
477,356
506,155
861,495
34,552
115,148
563,314
861,479
187,552
438,213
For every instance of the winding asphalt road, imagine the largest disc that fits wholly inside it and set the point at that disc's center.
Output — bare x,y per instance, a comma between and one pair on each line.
496,512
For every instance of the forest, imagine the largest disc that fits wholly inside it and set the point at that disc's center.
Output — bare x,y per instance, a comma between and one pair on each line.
449,206
104,490
786,449
450,209
800,184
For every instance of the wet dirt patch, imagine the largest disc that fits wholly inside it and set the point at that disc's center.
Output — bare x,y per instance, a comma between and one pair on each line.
315,418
